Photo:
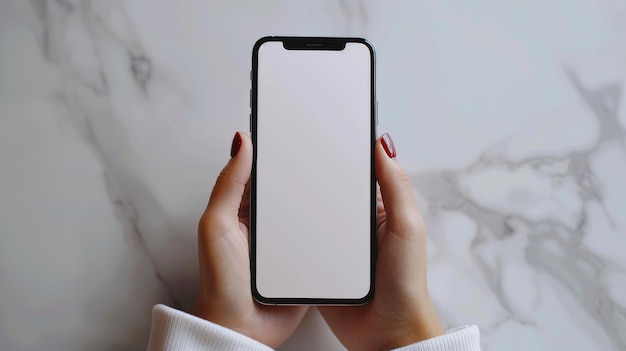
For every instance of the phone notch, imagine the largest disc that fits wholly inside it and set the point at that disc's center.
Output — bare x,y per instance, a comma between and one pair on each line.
335,44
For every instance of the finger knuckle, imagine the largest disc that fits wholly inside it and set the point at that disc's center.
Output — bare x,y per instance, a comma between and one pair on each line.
411,225
209,222
403,178
223,177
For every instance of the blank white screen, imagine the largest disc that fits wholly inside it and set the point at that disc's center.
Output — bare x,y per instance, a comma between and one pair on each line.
313,172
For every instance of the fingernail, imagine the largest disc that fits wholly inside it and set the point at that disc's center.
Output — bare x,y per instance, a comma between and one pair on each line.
234,149
387,142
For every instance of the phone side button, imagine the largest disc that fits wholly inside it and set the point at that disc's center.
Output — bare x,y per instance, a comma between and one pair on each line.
250,100
250,125
376,112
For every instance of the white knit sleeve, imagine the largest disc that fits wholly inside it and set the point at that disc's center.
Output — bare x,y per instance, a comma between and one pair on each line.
175,330
465,338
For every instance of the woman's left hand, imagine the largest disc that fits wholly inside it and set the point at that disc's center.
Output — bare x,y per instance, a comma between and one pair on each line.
225,296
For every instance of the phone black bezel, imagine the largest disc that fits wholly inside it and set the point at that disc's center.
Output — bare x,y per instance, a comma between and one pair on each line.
312,43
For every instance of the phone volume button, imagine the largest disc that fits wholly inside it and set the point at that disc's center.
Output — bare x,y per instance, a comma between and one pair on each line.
376,112
250,100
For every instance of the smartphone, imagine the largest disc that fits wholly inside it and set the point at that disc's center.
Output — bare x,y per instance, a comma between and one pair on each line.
313,186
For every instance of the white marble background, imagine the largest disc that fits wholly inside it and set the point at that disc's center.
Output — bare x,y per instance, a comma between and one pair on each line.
116,116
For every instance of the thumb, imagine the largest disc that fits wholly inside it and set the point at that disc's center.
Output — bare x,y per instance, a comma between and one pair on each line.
402,215
230,185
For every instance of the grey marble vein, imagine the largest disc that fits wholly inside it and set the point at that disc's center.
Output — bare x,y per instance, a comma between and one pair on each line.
569,268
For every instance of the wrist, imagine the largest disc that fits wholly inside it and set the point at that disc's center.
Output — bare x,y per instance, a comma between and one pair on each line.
206,312
424,324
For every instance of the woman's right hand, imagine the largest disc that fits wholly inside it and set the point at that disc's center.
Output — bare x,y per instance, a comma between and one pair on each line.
401,312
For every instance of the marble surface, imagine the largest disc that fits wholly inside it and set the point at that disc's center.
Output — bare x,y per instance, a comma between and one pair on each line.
116,116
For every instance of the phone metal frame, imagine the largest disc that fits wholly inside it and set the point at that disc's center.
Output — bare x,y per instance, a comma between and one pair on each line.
312,43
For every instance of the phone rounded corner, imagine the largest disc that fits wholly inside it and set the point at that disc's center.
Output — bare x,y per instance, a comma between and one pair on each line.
256,295
261,41
369,296
370,46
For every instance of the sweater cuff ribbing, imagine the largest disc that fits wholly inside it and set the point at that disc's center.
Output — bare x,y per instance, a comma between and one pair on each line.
176,330
462,338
